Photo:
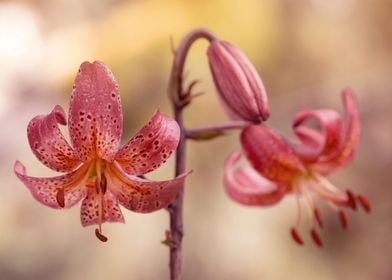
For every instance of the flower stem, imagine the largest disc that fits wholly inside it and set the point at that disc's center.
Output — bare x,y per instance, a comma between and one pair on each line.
178,98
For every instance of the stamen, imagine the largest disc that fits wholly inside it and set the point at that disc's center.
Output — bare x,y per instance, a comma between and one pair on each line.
296,237
310,206
316,238
98,173
103,184
364,202
325,192
343,219
60,197
351,200
100,236
298,210
97,186
317,216
327,184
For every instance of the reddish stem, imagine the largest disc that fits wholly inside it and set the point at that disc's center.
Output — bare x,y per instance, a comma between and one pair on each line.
178,98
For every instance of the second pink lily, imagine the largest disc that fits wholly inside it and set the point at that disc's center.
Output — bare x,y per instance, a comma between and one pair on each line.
280,168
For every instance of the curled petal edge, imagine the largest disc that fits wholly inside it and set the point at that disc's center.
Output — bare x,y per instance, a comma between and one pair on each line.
351,134
48,143
46,190
245,186
318,144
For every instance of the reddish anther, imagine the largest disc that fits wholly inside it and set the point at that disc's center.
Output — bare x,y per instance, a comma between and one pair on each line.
296,237
317,216
364,202
104,184
351,200
316,238
97,186
343,219
60,197
100,236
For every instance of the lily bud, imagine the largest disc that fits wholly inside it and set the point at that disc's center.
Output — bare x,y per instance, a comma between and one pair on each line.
237,82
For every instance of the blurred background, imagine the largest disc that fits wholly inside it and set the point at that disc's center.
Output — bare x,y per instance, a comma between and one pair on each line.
306,51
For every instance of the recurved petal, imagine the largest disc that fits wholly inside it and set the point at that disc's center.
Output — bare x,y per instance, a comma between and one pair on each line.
311,140
270,155
151,146
48,144
350,135
322,143
248,187
141,195
95,115
45,190
99,208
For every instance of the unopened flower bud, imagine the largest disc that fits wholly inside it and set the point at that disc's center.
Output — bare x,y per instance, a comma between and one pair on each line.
237,82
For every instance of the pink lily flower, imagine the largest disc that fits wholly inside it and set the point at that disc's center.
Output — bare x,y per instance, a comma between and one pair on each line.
279,167
96,170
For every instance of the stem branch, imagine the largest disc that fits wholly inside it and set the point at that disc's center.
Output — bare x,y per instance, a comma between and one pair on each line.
211,131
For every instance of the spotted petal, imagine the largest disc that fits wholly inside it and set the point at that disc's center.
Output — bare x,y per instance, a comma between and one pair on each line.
95,115
48,144
45,190
318,144
151,146
141,195
246,186
99,208
270,155
351,134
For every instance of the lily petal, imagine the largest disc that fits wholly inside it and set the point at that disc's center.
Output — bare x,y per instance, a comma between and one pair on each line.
246,186
48,144
311,140
141,195
331,133
151,146
45,190
351,134
95,115
90,210
270,155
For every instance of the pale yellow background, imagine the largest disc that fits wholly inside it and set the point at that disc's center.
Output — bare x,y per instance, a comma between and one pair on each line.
305,51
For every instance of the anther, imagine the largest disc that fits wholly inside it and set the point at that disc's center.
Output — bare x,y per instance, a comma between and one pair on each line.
97,186
60,197
296,237
100,236
317,216
351,200
343,219
103,184
364,202
316,238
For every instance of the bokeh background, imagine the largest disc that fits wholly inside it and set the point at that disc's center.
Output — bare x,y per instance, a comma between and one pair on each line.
305,50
